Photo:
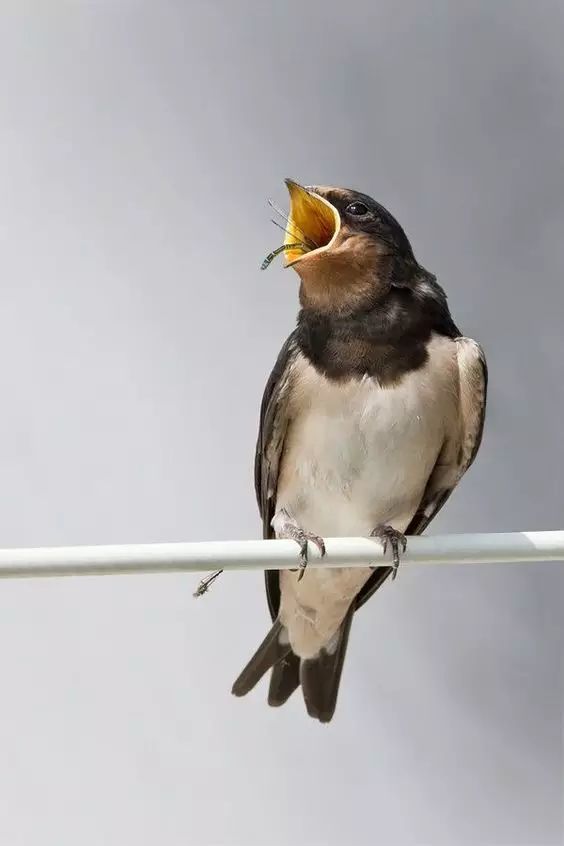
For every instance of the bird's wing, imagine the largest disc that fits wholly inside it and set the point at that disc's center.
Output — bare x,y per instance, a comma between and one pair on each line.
270,442
458,453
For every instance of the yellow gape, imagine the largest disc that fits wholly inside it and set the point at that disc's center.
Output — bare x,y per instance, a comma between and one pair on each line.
313,224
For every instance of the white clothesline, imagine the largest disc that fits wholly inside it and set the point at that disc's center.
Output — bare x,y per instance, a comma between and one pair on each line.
497,548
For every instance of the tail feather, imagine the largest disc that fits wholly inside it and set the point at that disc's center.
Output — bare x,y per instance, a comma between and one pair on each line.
320,676
272,649
284,680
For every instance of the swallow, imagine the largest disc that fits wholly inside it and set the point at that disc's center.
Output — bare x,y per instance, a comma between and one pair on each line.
372,414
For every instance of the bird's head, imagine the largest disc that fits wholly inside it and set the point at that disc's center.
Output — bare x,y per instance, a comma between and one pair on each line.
347,249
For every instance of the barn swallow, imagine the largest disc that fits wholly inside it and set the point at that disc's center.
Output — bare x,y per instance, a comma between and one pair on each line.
371,416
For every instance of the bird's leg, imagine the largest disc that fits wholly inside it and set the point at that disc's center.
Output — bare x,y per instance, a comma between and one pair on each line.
204,585
286,527
388,535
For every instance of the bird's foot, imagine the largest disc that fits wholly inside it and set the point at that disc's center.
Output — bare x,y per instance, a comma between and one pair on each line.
287,528
205,584
390,536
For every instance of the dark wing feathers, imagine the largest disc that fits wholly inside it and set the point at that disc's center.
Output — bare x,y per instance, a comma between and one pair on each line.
285,676
272,429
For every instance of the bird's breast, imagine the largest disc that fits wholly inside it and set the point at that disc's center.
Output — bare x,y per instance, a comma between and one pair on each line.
357,454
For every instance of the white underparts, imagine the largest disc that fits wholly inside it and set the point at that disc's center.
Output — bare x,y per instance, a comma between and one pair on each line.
356,455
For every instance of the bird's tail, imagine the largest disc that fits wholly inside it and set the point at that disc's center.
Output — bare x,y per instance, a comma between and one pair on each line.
273,649
319,676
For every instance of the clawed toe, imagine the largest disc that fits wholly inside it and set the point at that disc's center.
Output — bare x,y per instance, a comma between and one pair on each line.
286,527
303,540
387,535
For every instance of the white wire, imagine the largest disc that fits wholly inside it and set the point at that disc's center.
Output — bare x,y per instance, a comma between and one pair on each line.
499,548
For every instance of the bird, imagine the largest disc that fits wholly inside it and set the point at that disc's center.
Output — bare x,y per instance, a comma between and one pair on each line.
372,414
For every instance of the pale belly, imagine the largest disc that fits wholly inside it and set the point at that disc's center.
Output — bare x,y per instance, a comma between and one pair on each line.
360,456
355,456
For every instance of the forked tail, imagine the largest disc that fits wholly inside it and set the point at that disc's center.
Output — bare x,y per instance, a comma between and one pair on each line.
319,676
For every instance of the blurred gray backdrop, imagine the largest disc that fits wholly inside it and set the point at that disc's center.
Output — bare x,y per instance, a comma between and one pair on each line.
139,142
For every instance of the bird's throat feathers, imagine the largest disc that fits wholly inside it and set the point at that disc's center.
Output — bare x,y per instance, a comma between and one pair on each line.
384,340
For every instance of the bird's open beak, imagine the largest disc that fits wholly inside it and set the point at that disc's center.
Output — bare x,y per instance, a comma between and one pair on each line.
314,223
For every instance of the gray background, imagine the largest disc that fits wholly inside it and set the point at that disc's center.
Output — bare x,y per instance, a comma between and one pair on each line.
139,142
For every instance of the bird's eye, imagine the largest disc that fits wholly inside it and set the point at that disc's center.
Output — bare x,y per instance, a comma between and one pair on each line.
357,209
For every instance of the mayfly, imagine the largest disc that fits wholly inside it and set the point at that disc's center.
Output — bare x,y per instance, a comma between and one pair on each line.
271,256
